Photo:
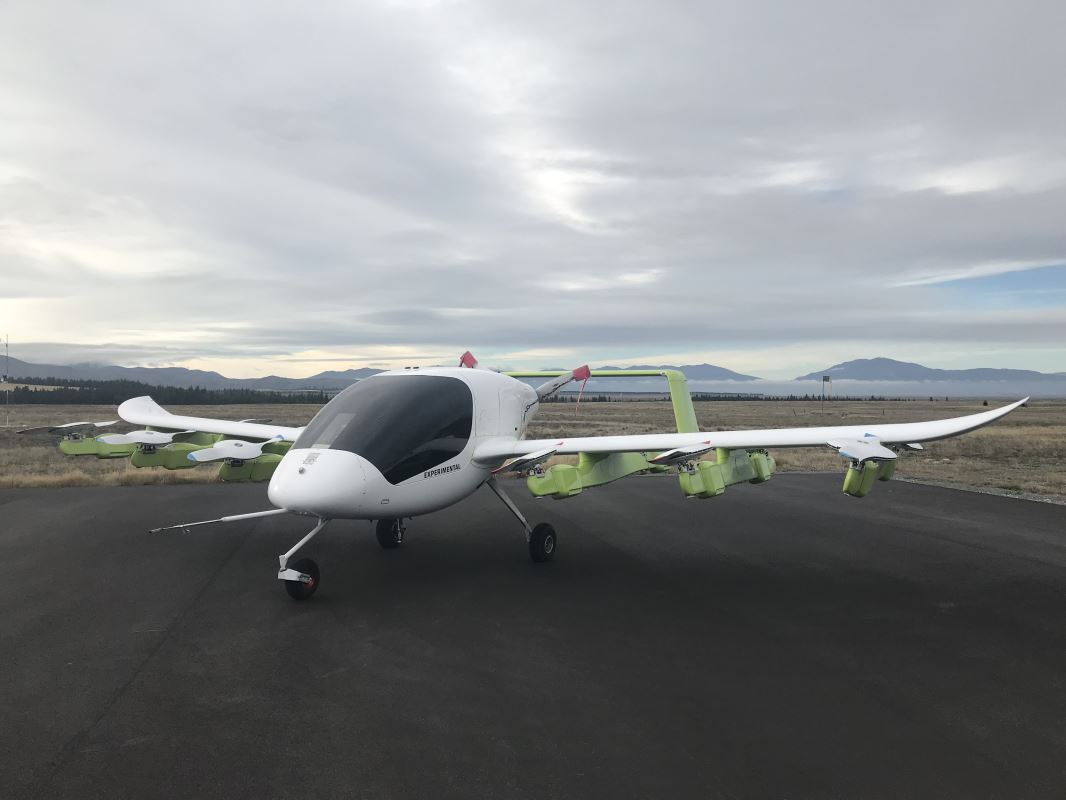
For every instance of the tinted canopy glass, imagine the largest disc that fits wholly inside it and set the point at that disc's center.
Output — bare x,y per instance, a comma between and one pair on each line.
402,424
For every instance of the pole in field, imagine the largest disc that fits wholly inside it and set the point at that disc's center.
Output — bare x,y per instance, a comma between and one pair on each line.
7,377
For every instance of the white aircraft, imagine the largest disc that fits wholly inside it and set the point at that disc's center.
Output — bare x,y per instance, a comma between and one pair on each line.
409,442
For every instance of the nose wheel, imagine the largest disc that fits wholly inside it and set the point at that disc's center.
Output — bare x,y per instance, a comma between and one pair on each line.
303,587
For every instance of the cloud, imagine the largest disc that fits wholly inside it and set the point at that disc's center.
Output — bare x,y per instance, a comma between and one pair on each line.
609,181
983,270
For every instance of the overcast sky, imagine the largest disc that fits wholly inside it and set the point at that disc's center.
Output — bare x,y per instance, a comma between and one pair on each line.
773,187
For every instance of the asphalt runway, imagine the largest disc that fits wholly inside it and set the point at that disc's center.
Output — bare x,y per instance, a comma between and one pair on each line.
782,640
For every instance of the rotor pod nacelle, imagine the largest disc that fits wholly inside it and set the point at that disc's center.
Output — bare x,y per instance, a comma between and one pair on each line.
253,471
593,469
860,478
88,446
887,470
257,469
703,479
172,456
559,481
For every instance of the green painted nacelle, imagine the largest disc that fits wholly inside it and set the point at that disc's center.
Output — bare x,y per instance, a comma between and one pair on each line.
703,479
565,480
698,479
88,446
859,480
172,456
258,469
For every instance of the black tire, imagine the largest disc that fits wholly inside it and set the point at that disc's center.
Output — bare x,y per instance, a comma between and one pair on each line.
303,591
390,533
542,543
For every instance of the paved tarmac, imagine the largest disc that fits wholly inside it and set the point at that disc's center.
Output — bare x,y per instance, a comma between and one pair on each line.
780,641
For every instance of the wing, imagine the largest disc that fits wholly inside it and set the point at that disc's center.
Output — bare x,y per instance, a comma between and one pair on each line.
861,440
146,411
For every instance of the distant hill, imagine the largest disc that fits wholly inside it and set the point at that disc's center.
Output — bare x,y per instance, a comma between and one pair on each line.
181,377
698,372
887,369
186,378
702,377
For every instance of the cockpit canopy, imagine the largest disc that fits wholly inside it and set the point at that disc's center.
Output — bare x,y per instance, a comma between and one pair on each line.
402,424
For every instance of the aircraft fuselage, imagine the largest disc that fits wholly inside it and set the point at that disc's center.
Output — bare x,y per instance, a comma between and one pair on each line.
401,443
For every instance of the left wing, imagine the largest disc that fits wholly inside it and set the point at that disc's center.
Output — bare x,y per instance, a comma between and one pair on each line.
146,411
864,441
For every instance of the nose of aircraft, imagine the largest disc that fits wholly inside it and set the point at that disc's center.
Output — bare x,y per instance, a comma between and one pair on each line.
329,483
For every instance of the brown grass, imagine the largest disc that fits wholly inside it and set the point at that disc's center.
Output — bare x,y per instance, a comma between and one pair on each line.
34,460
1021,453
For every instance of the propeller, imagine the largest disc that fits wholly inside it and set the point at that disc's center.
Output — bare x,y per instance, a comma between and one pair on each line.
67,429
680,455
525,463
154,438
231,450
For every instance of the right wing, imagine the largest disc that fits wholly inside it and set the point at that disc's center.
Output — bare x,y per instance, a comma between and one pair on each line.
860,441
146,411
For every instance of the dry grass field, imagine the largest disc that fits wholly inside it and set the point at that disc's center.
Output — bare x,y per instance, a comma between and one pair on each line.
1023,453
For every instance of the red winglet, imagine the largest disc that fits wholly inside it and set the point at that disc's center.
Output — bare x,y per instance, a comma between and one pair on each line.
467,360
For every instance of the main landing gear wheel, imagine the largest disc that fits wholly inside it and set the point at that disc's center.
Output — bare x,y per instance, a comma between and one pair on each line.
390,533
542,543
298,590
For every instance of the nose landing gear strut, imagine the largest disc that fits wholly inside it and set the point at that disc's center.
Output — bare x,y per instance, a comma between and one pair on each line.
302,578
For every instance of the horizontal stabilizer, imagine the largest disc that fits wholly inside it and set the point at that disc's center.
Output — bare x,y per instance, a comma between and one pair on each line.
865,449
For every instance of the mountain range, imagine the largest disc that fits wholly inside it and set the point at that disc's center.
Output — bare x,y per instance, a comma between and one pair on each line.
187,378
887,369
863,369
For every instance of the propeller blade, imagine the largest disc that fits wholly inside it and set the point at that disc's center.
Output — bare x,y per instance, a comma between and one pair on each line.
69,427
141,437
230,450
525,463
679,455
865,449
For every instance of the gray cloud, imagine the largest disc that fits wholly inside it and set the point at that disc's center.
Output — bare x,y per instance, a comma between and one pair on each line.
624,179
